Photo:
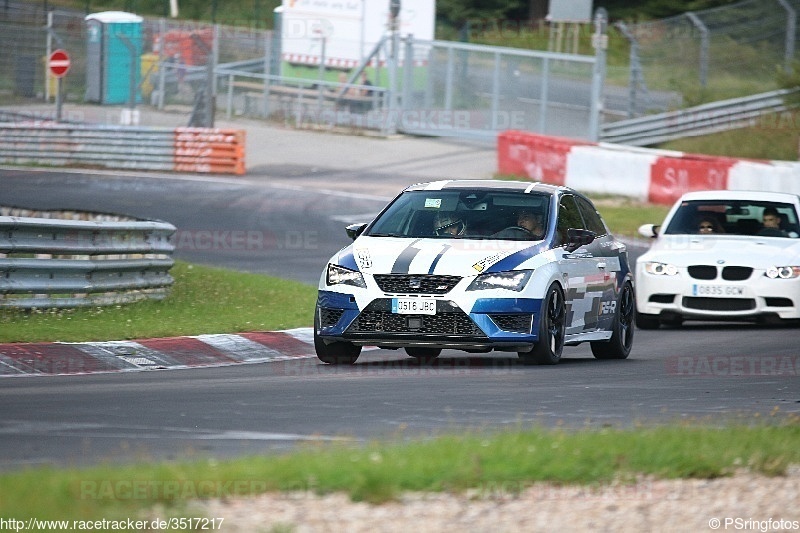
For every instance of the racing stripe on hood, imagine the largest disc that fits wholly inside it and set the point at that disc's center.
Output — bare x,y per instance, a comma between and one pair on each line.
403,262
436,260
514,260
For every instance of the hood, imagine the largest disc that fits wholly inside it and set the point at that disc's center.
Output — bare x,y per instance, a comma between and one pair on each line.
454,257
684,250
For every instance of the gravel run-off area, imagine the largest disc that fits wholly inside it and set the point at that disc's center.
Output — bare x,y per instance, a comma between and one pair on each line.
743,502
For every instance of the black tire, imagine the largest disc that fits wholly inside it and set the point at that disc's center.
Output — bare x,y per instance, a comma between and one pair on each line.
644,321
424,355
335,353
552,324
621,342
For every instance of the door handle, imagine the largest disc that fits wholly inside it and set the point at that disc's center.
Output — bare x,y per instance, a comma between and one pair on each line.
601,265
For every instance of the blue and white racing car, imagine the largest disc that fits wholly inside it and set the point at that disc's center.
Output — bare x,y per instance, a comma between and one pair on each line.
478,266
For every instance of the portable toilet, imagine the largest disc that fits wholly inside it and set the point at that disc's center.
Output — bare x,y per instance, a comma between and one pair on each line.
113,49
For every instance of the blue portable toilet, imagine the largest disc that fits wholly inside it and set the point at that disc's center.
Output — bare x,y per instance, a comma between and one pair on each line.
113,49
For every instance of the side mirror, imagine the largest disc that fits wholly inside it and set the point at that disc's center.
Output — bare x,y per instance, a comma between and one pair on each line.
578,237
354,230
649,230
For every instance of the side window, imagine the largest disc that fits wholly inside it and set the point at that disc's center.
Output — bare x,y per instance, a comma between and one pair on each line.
568,217
590,217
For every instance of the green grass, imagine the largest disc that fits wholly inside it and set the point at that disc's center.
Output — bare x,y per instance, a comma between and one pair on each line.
775,136
507,462
202,300
624,216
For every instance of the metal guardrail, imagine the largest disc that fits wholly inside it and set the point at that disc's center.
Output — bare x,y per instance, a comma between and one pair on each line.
54,260
124,147
700,120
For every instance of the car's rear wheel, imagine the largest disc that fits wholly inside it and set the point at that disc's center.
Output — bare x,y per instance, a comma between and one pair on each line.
424,354
644,321
552,324
334,353
619,346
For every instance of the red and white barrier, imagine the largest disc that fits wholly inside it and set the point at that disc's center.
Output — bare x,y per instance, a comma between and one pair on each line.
657,176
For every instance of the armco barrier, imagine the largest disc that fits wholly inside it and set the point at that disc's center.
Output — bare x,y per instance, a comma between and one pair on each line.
205,150
658,176
69,259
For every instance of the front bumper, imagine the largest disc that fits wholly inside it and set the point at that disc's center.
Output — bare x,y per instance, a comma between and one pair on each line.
688,297
506,324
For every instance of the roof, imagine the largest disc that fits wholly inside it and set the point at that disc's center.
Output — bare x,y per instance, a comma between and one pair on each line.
522,186
114,17
741,195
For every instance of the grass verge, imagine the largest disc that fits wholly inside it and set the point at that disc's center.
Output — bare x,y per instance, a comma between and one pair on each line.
378,472
202,300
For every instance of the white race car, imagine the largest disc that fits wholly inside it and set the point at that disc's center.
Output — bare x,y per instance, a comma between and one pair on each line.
478,266
721,255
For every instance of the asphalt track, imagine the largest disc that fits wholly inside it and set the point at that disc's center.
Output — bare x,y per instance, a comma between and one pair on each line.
710,372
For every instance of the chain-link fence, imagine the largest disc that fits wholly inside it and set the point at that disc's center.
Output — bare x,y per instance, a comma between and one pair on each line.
713,54
479,90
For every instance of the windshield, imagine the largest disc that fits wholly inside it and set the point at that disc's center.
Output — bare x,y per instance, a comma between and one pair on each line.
470,214
735,217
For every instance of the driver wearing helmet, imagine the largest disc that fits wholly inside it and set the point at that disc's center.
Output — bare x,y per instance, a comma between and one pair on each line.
449,224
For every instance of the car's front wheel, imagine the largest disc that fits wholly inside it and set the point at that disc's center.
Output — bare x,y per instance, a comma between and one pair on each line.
335,353
619,346
425,355
552,324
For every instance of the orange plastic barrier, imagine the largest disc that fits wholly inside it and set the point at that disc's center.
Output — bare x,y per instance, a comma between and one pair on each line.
209,150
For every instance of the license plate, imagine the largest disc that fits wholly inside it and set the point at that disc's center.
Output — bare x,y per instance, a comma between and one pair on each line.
717,291
414,306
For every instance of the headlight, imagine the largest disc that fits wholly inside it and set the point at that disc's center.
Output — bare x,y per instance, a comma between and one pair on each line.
339,275
514,280
784,272
660,269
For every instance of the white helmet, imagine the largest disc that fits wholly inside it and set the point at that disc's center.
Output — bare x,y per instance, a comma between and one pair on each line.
449,223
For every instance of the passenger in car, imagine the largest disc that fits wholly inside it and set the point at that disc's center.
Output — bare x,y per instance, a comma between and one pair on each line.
709,224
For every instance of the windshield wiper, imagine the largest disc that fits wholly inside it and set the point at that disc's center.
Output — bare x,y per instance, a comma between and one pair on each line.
385,235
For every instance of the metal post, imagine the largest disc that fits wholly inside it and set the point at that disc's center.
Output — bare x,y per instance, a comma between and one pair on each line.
394,12
321,72
162,71
633,65
791,29
543,95
211,101
49,51
495,91
600,42
704,46
267,71
448,84
230,97
408,73
58,99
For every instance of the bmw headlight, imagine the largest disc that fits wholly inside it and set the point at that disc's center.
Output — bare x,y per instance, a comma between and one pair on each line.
783,272
660,269
339,275
513,280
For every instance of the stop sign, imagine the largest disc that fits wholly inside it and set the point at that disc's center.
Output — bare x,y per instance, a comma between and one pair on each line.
59,63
